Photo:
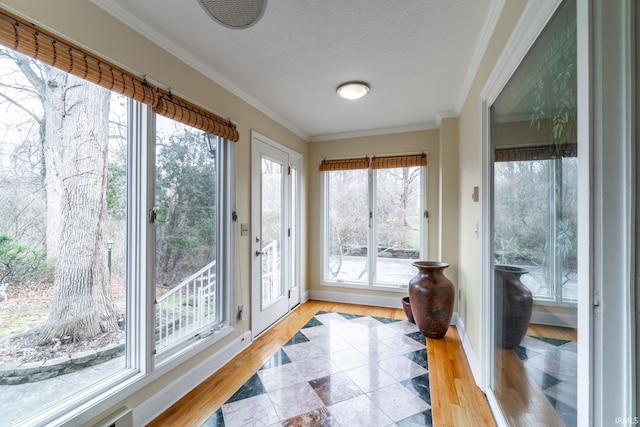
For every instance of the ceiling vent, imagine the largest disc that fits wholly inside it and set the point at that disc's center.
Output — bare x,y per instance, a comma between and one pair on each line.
236,14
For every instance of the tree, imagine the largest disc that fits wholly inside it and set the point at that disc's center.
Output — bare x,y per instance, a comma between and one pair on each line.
74,133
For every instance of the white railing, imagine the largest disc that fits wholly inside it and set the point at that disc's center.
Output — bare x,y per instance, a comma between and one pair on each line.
187,307
270,272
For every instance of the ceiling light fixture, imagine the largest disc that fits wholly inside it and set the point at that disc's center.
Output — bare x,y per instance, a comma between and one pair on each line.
353,90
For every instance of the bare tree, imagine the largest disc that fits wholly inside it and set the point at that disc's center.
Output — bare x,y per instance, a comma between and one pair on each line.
74,133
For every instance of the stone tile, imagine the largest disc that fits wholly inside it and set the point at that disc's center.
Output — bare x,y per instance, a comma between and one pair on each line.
403,344
216,420
401,368
295,400
359,411
335,388
370,377
349,359
257,410
418,420
419,357
278,359
317,418
252,387
398,402
298,338
420,387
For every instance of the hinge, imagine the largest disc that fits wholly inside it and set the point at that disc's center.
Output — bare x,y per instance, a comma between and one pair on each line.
289,170
289,293
234,216
288,232
426,214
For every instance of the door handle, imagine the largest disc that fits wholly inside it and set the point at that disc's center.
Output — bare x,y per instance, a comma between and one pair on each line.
258,253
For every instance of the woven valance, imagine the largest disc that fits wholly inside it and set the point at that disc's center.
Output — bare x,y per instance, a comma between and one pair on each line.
344,164
404,161
29,40
185,112
541,152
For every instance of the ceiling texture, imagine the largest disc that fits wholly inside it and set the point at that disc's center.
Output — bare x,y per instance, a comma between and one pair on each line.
417,56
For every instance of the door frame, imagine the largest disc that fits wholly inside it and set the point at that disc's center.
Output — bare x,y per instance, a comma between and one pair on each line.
291,246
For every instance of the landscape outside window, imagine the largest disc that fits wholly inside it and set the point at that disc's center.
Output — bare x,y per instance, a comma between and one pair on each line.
374,231
62,234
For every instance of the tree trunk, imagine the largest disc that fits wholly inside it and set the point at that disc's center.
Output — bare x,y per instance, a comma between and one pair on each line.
76,159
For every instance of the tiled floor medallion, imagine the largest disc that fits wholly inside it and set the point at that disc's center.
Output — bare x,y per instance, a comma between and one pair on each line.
338,370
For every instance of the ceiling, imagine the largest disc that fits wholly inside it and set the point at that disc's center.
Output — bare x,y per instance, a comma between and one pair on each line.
418,56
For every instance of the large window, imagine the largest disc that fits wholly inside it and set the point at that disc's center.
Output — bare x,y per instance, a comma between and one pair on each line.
374,218
77,226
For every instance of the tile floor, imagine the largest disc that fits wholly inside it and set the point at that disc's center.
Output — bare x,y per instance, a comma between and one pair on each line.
553,365
338,370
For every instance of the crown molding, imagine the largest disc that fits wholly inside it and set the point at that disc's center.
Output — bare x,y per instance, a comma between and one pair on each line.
150,33
374,132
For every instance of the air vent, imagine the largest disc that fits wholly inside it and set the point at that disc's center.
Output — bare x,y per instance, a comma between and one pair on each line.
235,14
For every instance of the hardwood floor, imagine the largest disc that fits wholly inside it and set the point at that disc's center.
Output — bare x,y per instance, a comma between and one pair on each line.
456,400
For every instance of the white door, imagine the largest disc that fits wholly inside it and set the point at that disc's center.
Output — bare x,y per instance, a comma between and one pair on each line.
274,241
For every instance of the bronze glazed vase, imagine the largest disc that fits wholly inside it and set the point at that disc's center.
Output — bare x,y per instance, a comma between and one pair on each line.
514,303
431,296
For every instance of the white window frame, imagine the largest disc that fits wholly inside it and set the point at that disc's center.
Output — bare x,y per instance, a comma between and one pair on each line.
141,367
372,203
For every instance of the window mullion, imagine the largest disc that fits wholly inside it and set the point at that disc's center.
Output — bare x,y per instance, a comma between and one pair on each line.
372,243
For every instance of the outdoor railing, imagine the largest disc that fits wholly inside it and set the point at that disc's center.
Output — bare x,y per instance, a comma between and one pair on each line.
270,272
187,307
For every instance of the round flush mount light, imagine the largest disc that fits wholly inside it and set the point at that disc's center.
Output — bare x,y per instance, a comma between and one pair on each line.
353,90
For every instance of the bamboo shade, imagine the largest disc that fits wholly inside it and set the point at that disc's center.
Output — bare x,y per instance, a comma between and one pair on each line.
403,161
29,40
344,164
541,152
185,112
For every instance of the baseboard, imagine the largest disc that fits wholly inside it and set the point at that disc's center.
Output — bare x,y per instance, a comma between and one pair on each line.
349,298
554,319
151,408
473,361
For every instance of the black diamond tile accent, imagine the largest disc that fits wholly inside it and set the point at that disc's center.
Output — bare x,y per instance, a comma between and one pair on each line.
419,386
418,337
385,320
216,420
278,359
418,420
525,353
251,388
298,338
551,341
419,357
350,316
568,414
313,322
543,379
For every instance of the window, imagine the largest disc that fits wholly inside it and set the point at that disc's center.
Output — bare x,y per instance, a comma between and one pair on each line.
188,294
374,217
81,241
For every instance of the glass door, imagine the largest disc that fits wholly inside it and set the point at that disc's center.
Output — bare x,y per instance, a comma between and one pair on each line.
533,136
275,236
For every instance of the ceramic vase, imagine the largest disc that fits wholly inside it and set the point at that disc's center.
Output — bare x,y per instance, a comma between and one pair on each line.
406,306
431,295
516,301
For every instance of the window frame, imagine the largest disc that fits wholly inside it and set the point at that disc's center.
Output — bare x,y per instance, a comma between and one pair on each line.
141,366
371,281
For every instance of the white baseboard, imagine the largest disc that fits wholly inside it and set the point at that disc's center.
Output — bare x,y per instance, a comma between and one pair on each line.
151,408
374,300
474,364
554,319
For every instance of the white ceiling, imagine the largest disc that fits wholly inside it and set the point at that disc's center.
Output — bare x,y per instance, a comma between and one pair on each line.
418,56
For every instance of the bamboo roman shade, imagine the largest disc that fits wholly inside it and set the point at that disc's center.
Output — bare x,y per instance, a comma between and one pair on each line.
344,164
382,162
541,152
405,161
29,40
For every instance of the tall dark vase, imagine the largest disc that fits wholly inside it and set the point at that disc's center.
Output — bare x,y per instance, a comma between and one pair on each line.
516,301
431,296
